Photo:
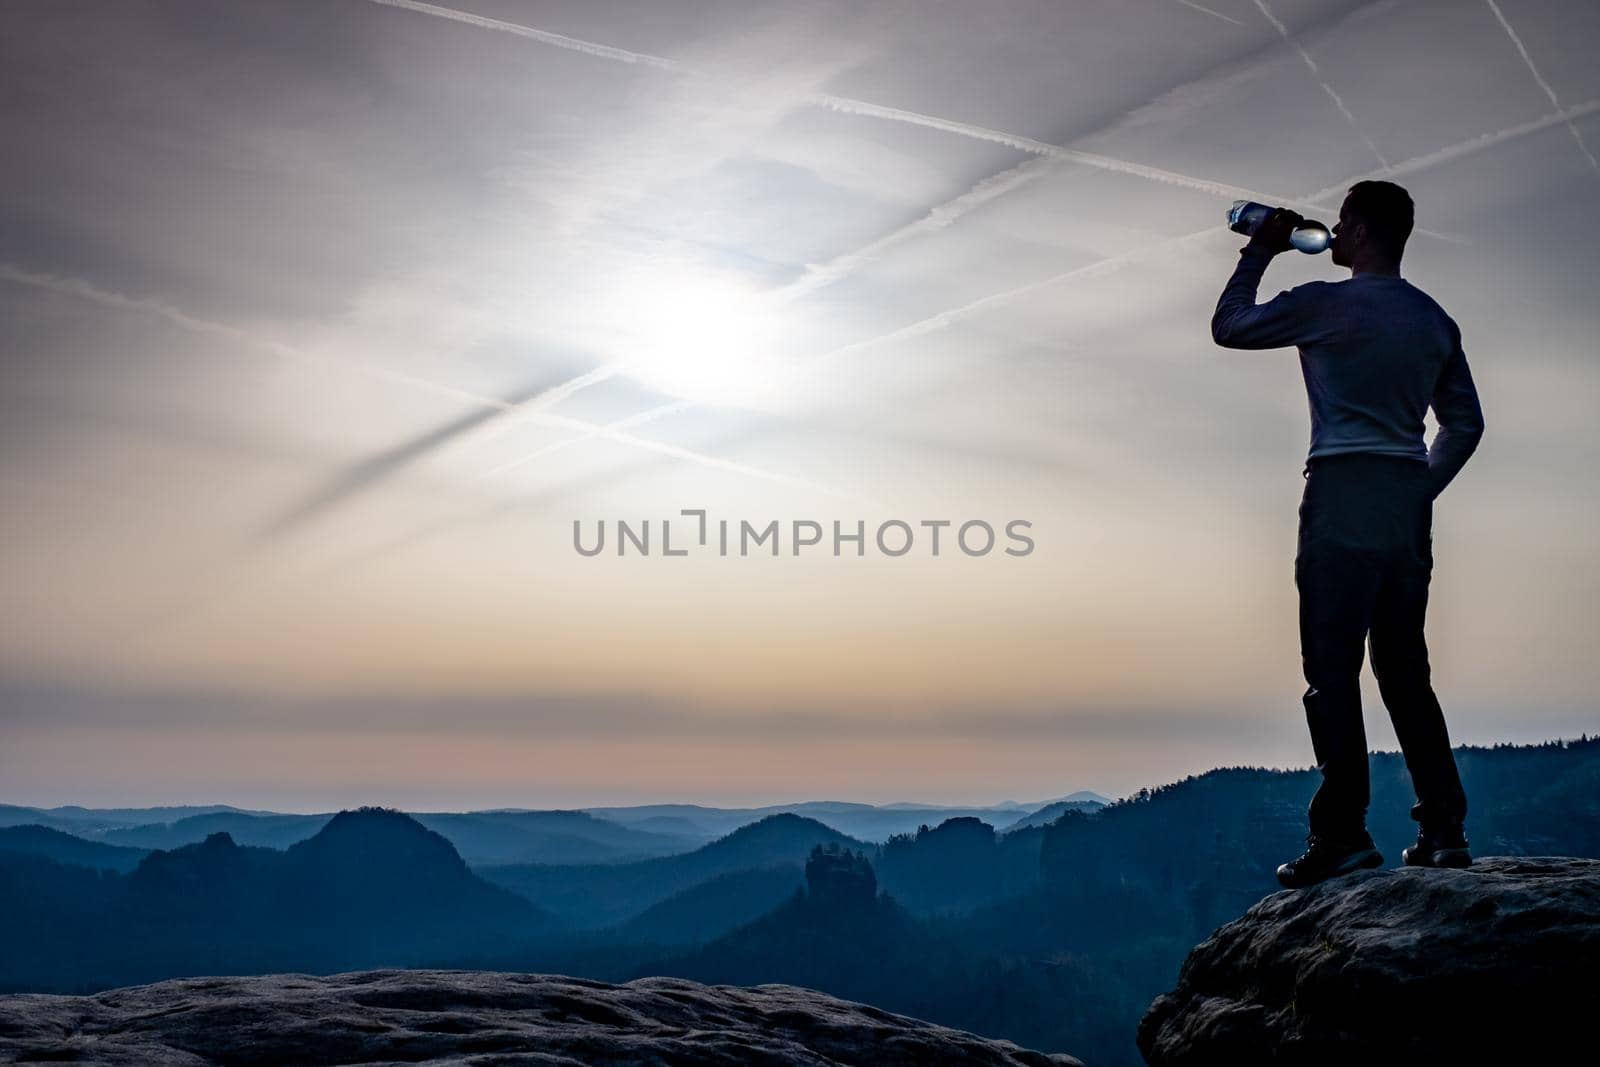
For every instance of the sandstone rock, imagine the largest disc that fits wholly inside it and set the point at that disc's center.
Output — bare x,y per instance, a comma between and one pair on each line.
1492,964
475,1017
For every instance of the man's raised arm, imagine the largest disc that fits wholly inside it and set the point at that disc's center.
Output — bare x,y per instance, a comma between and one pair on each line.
1239,322
1460,418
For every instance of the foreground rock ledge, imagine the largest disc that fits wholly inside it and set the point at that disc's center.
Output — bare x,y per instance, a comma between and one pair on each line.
478,1017
1495,963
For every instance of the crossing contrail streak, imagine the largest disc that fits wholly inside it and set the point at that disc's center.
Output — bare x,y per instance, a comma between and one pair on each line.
107,298
1115,263
557,40
1311,64
501,412
1551,93
1208,11
1469,147
1109,265
588,435
950,317
662,448
991,188
842,104
846,105
942,319
1035,147
945,318
505,408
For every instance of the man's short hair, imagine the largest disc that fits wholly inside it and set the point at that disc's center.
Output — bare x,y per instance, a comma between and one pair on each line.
1387,210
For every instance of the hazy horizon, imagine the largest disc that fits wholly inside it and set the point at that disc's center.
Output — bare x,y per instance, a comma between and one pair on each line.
315,809
325,323
463,803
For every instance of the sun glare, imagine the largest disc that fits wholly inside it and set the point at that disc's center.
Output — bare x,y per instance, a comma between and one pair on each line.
707,339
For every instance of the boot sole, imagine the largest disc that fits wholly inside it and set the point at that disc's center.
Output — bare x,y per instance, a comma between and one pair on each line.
1370,858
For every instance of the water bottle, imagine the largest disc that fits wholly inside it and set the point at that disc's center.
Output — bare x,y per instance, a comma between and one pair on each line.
1246,217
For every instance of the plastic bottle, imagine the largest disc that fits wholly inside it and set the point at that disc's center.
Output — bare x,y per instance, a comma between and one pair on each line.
1246,216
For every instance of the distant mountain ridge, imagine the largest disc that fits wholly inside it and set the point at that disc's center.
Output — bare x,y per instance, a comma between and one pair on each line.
91,822
372,887
1051,812
594,895
865,822
62,847
514,835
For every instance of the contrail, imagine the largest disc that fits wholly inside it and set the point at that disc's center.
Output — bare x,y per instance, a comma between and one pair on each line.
928,325
842,104
1551,93
1111,264
87,291
937,218
950,317
1208,11
1283,31
1469,147
1115,263
370,472
496,410
368,555
623,437
571,44
829,272
864,108
1035,147
588,435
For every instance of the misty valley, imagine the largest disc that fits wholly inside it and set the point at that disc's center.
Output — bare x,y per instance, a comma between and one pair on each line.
1052,927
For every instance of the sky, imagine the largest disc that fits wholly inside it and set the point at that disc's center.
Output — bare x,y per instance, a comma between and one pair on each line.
326,324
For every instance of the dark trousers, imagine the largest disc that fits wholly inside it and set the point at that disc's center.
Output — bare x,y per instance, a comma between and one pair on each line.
1364,560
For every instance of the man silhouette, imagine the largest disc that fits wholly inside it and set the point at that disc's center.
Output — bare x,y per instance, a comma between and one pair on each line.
1375,352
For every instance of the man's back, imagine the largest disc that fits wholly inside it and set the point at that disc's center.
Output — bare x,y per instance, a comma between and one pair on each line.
1375,351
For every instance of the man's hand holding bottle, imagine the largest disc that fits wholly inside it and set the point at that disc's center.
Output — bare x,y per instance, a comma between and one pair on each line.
1277,229
1272,236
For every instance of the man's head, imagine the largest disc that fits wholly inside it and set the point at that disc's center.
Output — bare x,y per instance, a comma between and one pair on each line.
1373,226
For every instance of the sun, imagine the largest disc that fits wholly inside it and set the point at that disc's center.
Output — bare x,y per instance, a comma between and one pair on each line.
706,338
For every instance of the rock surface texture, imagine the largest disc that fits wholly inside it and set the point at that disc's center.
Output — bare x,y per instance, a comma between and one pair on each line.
477,1017
1492,964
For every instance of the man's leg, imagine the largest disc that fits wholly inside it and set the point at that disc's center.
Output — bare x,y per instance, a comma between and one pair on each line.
1400,660
1338,588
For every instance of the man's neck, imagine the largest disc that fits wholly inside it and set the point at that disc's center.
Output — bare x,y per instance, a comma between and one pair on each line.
1376,268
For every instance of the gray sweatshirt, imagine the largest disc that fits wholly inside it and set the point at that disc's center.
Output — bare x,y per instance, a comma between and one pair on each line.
1375,351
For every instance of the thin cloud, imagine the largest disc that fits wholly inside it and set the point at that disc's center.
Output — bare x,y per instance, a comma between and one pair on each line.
552,714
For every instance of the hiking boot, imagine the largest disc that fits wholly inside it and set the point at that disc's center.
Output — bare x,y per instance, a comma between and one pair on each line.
1326,858
1444,846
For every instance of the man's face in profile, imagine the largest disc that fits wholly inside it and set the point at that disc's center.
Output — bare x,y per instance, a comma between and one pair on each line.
1342,236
